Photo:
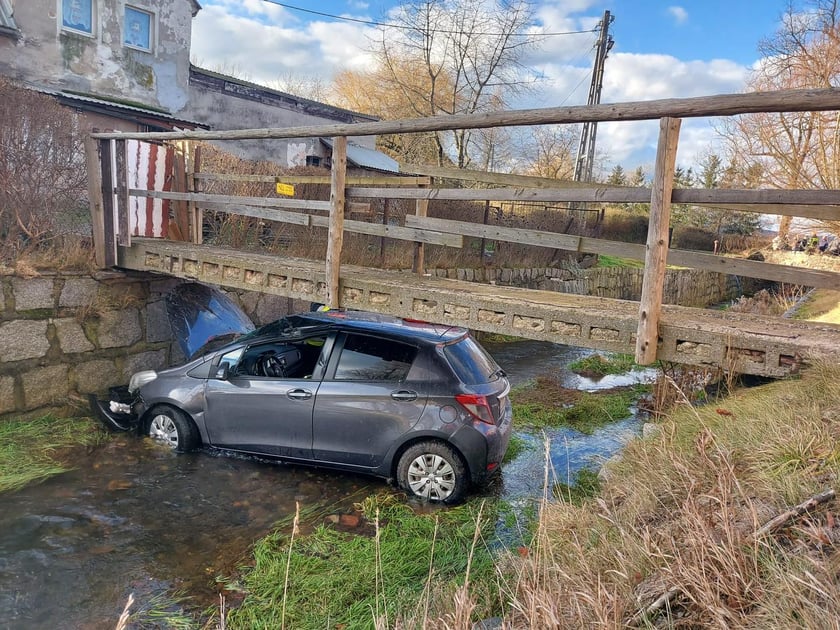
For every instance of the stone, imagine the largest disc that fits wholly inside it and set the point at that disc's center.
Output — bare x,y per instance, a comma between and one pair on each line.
96,376
269,308
119,329
45,386
33,293
23,339
157,322
7,394
78,292
71,336
152,360
349,520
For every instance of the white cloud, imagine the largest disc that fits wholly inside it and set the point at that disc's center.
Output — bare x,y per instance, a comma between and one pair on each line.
679,14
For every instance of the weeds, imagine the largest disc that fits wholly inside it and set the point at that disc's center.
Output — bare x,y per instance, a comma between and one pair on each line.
31,450
546,403
597,365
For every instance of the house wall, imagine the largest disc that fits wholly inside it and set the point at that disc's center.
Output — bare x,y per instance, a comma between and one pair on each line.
225,103
47,54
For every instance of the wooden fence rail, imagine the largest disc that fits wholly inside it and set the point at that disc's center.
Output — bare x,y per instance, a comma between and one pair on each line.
111,194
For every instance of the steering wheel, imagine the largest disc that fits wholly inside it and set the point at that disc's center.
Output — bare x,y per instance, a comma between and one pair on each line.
271,366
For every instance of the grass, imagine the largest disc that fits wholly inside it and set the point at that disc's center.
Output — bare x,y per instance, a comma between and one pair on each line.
31,450
409,569
822,306
596,365
605,260
546,403
516,447
676,517
586,485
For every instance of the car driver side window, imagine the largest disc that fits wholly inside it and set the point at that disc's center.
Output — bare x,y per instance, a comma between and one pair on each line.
372,359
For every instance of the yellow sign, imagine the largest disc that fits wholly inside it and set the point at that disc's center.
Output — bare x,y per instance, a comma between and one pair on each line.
285,189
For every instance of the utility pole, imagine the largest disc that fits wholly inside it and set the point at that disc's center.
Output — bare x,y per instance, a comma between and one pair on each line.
586,149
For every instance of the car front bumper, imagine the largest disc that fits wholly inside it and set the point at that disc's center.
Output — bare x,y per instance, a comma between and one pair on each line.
118,412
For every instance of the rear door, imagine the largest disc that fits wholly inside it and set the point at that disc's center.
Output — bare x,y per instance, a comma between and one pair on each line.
369,397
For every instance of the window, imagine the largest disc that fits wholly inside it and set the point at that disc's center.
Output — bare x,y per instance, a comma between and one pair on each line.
77,15
139,28
313,160
370,359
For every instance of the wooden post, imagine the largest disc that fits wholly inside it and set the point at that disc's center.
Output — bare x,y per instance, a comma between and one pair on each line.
335,239
194,185
421,209
484,222
94,183
109,243
656,250
121,185
385,218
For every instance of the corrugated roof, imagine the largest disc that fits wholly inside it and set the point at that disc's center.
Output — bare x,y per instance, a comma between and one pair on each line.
368,158
70,97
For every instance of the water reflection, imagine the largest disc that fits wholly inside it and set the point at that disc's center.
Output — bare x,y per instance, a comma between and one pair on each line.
137,518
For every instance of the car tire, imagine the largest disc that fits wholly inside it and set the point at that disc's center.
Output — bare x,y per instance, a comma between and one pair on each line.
173,427
434,472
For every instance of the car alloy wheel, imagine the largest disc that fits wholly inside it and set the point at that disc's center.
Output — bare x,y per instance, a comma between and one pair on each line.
433,471
172,427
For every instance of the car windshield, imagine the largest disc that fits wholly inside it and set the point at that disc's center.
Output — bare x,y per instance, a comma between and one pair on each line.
292,326
471,363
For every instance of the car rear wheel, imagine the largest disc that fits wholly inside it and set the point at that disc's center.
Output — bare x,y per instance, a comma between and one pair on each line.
172,427
433,471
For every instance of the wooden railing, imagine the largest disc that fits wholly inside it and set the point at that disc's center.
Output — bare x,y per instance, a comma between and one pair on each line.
111,194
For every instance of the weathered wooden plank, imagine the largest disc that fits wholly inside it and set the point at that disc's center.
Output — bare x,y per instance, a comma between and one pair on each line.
383,180
678,257
509,235
94,184
497,179
700,106
420,234
656,249
121,193
109,240
335,239
270,214
698,196
207,199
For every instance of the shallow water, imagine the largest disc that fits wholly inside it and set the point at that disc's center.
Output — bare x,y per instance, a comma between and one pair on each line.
133,517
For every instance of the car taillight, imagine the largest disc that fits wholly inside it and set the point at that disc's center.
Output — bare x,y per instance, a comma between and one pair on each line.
477,406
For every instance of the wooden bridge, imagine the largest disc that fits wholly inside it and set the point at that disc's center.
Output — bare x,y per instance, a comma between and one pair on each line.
133,209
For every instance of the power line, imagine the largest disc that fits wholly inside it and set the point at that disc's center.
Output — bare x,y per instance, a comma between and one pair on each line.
409,28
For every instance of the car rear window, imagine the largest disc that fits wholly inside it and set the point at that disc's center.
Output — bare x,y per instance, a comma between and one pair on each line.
471,363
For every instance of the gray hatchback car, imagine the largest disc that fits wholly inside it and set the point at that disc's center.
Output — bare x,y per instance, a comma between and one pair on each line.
422,404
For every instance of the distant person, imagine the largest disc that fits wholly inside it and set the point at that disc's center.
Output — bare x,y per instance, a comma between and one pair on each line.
823,243
717,246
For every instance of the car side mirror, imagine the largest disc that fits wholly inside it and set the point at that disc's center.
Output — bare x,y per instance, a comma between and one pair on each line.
222,371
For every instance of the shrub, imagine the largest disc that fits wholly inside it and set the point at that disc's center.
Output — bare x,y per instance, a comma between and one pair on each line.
43,193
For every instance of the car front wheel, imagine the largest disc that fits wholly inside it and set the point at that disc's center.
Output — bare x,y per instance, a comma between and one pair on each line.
434,472
172,427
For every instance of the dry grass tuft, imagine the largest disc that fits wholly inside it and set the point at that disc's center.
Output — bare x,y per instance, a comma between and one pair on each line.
671,540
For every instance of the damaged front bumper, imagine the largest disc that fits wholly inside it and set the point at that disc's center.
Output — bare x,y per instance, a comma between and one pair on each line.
118,412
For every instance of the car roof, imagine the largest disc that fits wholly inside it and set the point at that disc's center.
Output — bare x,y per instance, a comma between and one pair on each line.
364,321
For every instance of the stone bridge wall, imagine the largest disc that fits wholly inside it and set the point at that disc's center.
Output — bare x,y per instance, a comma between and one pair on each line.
63,336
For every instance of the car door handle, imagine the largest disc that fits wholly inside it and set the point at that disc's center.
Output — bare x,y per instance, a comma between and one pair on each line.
299,394
404,395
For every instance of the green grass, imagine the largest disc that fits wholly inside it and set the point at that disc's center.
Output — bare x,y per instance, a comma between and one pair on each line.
30,449
516,447
614,261
585,413
344,580
600,365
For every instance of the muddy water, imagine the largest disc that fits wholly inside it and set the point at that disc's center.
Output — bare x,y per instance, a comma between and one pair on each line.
134,517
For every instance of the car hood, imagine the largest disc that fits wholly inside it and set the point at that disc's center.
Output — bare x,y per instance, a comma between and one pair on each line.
202,317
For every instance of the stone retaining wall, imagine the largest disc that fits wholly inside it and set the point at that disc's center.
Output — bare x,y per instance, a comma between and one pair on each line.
63,336
688,287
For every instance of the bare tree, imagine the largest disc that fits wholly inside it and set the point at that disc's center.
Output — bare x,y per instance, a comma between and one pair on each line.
452,57
794,150
549,151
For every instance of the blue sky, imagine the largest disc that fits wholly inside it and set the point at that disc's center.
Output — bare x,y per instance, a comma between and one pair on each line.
662,50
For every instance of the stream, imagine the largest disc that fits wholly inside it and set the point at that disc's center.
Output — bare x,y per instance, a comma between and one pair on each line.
133,517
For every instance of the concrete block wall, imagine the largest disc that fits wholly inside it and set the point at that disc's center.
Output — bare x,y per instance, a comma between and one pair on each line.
687,287
63,336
